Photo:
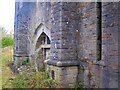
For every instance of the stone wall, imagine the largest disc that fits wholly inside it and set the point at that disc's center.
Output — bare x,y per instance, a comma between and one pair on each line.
21,33
63,61
73,29
110,44
88,31
28,18
65,76
63,34
104,72
87,36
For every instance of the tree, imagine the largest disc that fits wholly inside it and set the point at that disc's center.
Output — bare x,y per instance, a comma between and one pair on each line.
3,30
7,41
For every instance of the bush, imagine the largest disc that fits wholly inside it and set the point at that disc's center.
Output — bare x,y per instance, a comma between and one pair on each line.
7,41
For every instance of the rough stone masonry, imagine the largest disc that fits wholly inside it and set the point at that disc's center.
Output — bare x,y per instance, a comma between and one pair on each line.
75,41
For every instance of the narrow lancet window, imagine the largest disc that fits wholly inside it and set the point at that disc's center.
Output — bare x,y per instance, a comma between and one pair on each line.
99,31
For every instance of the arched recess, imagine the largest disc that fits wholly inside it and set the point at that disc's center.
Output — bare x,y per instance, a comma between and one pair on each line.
42,40
41,29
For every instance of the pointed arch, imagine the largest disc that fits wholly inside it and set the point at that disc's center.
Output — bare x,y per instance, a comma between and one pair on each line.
43,40
41,29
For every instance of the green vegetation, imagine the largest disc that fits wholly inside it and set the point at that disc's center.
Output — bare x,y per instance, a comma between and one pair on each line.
7,41
28,78
33,80
5,71
25,62
79,86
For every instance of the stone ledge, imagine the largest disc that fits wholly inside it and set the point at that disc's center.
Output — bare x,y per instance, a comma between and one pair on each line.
21,55
62,63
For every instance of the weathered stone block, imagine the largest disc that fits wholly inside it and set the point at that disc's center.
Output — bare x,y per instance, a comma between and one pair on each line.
64,75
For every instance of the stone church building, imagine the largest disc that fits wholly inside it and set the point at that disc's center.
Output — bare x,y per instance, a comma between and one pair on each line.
75,41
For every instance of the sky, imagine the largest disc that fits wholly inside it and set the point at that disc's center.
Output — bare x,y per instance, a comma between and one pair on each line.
7,10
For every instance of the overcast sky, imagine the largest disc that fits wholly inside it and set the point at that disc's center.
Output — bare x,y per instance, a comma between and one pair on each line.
7,9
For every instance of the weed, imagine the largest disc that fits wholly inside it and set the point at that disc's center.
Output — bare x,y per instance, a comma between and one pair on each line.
41,68
33,80
25,62
79,86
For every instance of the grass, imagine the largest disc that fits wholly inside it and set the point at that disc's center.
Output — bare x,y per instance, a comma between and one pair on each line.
26,79
5,72
33,80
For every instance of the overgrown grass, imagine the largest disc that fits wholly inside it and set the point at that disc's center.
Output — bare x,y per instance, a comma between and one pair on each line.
4,59
5,71
28,79
34,80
